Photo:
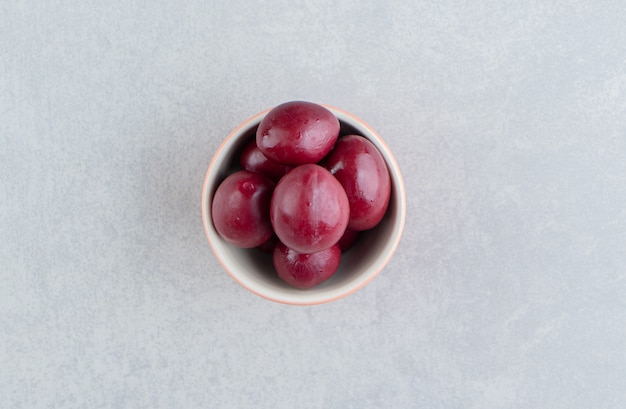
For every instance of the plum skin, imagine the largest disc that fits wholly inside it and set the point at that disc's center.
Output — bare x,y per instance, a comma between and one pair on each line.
297,133
304,271
240,209
348,239
268,245
309,210
361,169
253,160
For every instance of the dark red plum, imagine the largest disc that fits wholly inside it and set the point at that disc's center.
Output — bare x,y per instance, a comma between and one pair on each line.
253,160
309,209
268,245
240,209
348,239
360,168
297,133
304,271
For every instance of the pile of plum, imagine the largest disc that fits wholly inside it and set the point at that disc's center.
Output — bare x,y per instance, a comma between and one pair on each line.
304,193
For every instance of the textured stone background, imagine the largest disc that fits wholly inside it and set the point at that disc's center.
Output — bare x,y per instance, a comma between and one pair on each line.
508,120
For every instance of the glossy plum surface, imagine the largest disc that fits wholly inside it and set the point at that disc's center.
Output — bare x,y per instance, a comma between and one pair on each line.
304,271
253,160
297,133
360,168
240,209
309,209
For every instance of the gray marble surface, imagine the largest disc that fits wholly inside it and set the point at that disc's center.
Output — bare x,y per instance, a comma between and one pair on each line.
508,120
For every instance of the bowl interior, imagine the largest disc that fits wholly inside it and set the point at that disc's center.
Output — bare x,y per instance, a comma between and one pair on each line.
254,269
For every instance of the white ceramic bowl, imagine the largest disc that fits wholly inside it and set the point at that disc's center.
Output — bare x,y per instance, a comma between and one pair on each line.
254,270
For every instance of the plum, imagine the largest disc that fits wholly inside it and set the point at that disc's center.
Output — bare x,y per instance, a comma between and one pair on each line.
240,209
253,160
297,133
361,169
348,239
309,210
268,245
304,271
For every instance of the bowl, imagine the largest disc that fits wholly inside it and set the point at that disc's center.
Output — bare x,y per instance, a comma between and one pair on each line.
254,270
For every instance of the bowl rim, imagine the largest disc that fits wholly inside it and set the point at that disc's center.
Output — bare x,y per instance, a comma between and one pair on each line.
397,183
